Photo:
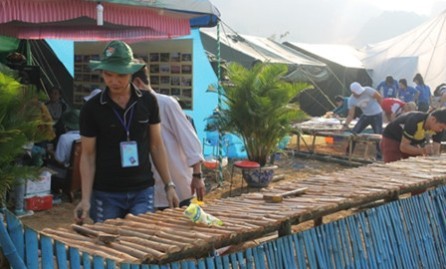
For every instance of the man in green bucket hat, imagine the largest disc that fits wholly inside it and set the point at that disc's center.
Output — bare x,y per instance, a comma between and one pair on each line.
119,127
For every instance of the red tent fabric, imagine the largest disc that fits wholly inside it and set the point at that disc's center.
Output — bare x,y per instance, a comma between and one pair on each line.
76,20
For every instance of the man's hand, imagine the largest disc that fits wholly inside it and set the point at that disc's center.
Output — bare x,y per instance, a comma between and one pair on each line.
428,150
197,186
329,114
81,212
172,197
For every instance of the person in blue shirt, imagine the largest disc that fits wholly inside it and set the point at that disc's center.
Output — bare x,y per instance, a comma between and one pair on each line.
341,109
406,93
388,88
423,98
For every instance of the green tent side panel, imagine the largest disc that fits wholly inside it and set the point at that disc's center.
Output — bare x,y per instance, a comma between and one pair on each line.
8,44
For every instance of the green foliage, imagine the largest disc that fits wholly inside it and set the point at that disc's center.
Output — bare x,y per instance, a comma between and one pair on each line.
20,120
258,108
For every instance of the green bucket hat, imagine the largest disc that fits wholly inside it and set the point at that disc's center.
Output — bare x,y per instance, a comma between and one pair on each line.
117,57
70,119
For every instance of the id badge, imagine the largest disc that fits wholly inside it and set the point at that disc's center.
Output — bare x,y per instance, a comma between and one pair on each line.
129,154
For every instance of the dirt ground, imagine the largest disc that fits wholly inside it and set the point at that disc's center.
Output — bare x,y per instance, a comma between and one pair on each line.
290,167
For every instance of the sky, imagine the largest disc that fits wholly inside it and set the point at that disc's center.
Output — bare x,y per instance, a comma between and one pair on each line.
420,7
321,21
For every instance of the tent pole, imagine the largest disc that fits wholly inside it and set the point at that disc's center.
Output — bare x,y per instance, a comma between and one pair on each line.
219,88
29,56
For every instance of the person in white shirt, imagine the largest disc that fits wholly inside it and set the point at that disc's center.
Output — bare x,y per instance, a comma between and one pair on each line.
369,101
92,94
70,120
181,142
61,156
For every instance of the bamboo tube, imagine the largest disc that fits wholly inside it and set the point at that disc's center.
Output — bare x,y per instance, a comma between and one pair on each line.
143,233
94,249
130,251
65,234
151,244
151,253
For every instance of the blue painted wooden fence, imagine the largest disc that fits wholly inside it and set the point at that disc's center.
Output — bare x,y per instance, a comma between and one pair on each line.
409,233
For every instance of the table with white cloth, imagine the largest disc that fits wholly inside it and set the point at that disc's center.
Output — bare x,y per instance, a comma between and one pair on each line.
308,131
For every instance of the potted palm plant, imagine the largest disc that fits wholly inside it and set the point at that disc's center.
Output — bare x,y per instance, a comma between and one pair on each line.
21,121
258,108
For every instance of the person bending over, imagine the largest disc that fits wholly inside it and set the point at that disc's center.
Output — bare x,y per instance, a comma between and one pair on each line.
394,107
368,100
413,134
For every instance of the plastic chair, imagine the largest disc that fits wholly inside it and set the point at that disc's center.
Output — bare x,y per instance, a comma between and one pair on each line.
243,165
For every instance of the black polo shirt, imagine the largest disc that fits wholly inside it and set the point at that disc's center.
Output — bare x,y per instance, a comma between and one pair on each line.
98,119
411,126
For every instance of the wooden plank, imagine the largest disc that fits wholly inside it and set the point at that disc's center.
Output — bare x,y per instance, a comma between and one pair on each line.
75,258
98,262
210,263
437,231
61,255
309,249
379,239
8,247
111,264
392,253
234,261
88,246
47,252
161,243
333,246
32,249
398,226
150,255
86,261
277,197
345,244
369,246
321,259
259,257
16,233
356,240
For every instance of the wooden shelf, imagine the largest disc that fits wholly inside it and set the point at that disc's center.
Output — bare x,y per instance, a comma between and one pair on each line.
170,74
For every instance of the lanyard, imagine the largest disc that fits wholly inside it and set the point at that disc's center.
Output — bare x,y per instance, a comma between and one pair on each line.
125,124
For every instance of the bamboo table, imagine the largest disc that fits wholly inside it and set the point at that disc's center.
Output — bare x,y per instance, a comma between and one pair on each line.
168,235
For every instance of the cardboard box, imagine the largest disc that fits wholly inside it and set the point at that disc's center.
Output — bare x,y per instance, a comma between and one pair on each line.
38,203
40,186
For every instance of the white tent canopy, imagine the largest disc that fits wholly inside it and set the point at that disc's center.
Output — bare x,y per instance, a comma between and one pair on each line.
344,55
420,50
